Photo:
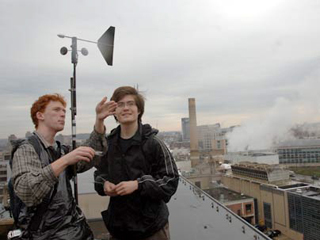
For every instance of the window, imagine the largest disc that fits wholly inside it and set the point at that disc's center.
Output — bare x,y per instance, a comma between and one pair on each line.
248,208
218,144
267,214
295,213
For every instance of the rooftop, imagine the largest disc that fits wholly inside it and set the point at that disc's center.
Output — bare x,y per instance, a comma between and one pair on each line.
257,166
225,195
307,191
307,142
194,214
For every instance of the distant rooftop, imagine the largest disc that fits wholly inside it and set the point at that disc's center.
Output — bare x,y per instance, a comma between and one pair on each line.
257,166
259,156
308,191
294,186
300,143
225,195
254,153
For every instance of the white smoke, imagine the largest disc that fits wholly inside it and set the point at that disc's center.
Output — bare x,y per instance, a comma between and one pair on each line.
275,126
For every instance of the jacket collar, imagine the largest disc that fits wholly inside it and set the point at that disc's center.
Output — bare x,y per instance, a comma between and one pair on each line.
144,131
115,134
55,146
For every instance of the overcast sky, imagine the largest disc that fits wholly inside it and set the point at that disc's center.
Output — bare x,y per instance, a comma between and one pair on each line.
244,61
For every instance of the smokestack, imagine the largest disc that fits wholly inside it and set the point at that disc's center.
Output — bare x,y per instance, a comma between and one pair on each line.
194,148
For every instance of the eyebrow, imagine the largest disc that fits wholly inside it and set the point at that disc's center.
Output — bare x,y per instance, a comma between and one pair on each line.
126,101
58,108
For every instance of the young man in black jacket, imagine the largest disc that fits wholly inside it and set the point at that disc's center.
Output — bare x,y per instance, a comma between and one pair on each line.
137,171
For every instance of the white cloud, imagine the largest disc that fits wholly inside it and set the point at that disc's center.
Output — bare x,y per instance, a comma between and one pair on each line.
235,58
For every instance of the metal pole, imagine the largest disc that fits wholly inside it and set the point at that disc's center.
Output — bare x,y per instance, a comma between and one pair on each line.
74,60
73,109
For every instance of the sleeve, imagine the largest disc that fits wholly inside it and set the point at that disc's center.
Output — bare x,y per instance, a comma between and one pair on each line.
31,182
163,181
98,142
99,179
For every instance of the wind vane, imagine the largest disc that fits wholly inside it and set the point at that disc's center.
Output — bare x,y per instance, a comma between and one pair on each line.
105,45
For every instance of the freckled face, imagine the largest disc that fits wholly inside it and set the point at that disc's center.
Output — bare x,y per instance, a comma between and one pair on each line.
53,116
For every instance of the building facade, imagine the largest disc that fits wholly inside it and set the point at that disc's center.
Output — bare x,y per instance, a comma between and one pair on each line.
271,203
185,127
299,152
304,211
291,207
206,133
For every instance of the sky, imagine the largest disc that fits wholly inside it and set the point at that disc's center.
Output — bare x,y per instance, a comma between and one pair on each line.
253,63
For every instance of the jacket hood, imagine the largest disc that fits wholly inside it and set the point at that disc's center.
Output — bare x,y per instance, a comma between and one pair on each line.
147,130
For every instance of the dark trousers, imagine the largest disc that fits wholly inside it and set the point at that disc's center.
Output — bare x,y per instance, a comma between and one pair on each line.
162,234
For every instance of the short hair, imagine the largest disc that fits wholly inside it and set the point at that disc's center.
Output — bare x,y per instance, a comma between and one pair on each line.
41,104
121,92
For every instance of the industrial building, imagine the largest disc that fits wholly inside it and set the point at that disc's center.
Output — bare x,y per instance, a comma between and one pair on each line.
291,207
304,211
299,152
264,172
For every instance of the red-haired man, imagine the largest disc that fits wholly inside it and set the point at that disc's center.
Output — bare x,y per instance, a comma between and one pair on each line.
41,178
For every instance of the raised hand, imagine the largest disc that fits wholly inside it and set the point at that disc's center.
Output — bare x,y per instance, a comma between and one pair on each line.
105,109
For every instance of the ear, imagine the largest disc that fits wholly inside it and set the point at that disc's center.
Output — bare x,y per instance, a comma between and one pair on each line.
40,116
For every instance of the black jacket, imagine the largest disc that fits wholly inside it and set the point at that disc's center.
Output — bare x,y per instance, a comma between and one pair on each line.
148,160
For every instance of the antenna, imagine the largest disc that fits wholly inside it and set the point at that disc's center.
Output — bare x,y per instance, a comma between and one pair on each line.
105,45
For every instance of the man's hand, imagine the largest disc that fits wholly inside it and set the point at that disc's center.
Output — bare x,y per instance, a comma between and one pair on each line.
103,110
79,154
126,188
109,189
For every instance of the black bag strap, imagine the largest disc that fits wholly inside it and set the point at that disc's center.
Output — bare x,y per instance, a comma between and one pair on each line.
34,141
15,203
